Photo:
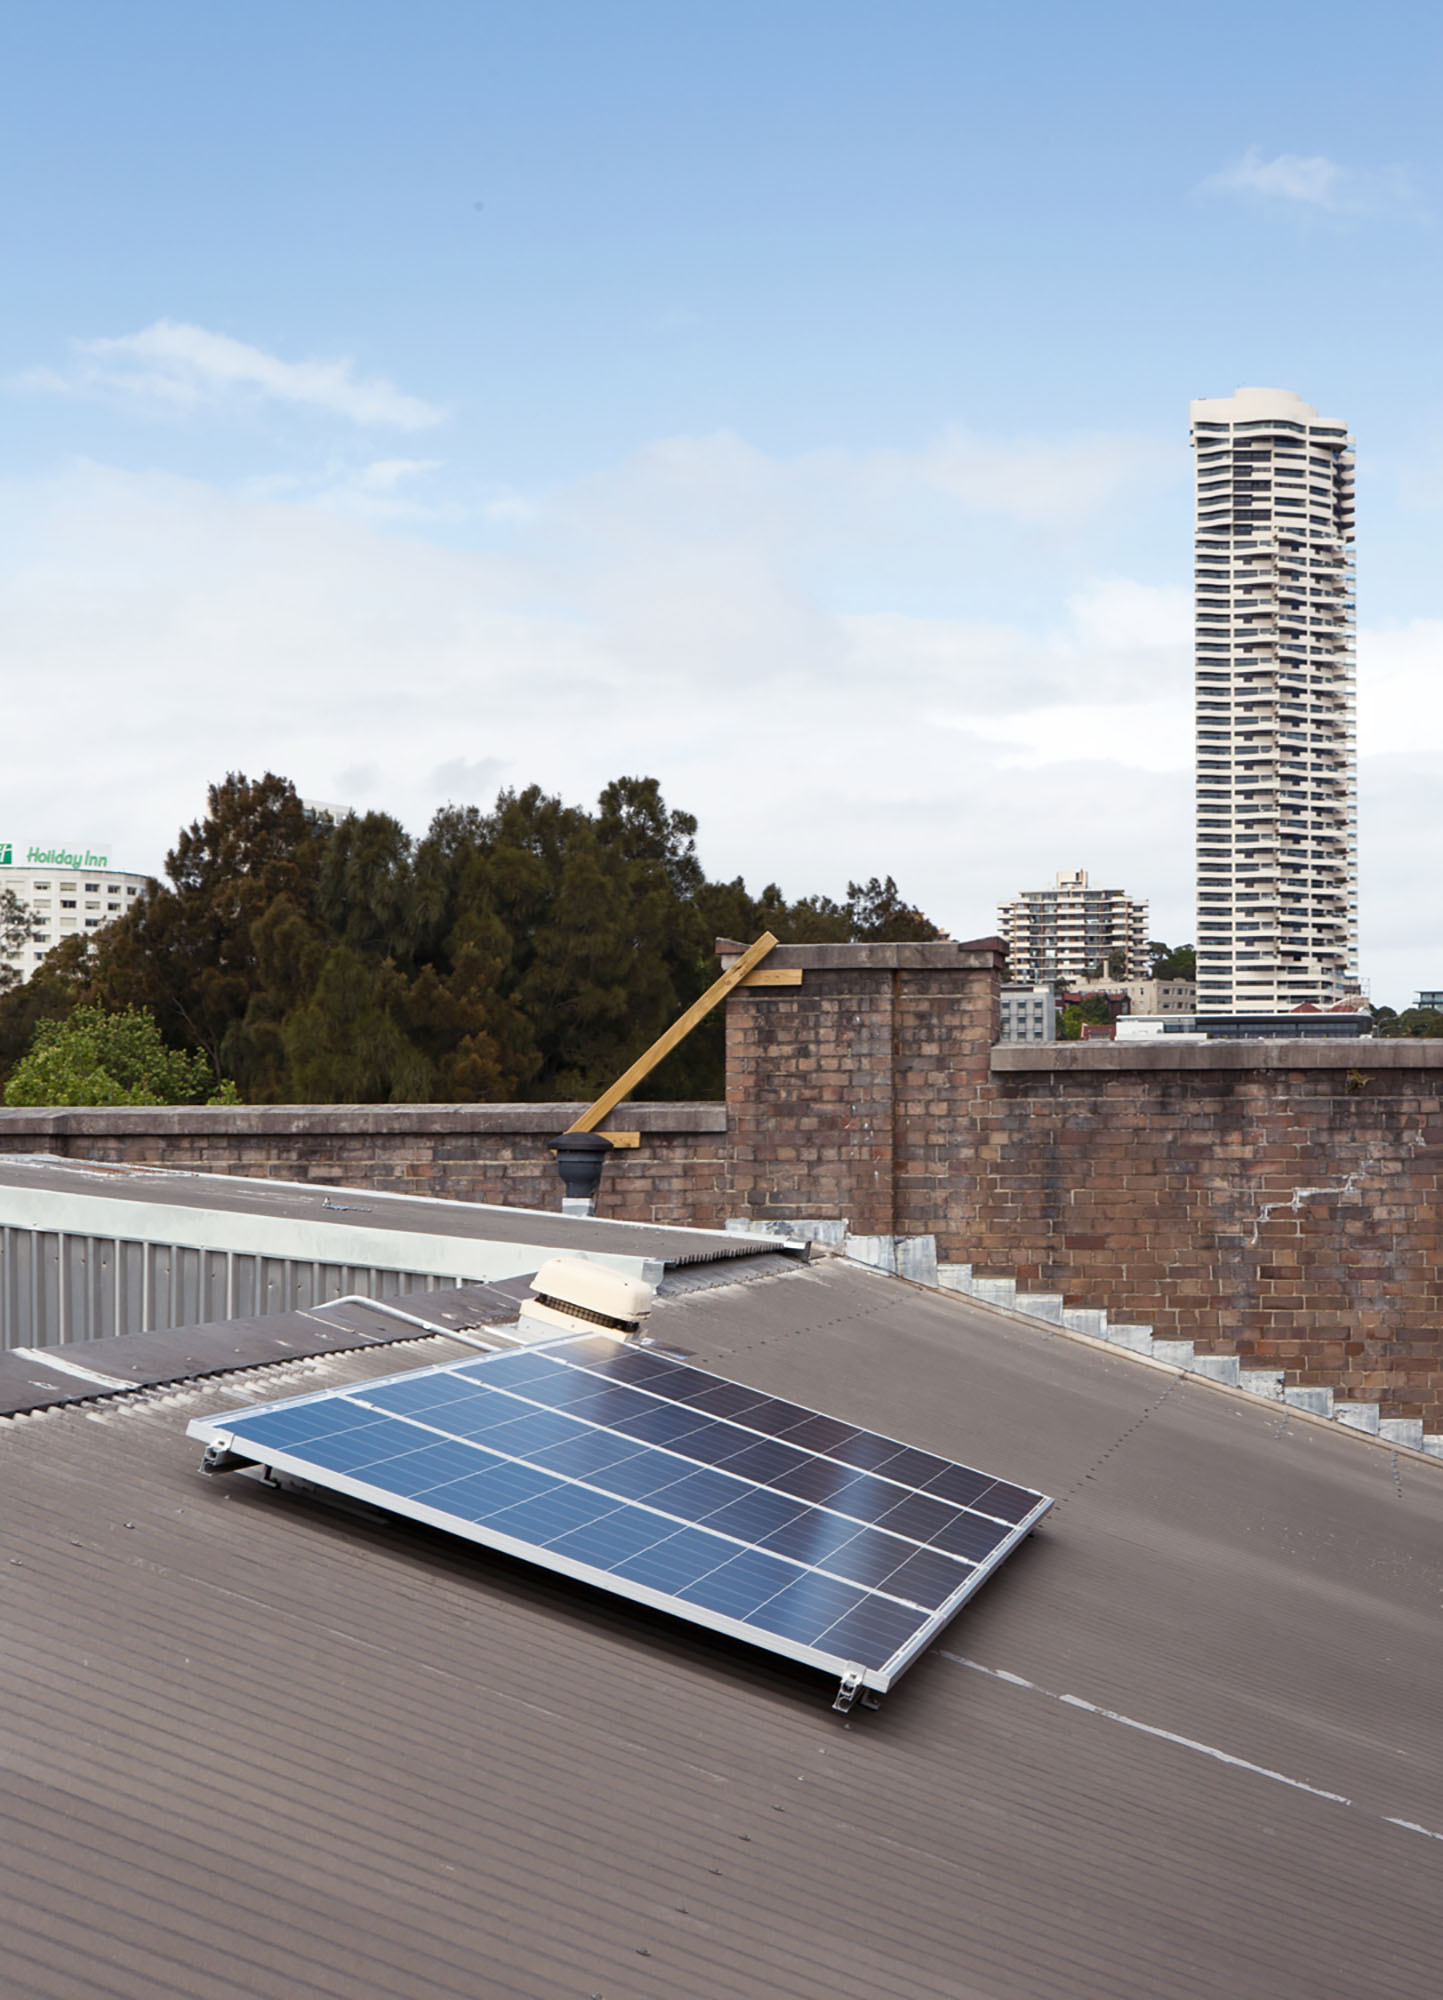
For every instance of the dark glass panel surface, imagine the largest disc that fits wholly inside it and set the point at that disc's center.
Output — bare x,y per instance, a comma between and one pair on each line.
919,1518
915,1468
739,1587
756,1513
613,1537
1008,1503
679,1384
727,1399
509,1371
821,1434
679,1561
774,1417
714,1444
550,1515
805,1609
866,1451
639,1477
663,1423
349,1450
971,1536
959,1484
811,1537
283,1428
579,1457
626,1364
763,1461
818,1479
927,1579
528,1431
503,1486
696,1495
872,1633
868,1559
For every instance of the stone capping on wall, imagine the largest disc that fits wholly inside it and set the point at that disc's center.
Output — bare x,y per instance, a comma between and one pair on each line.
1163,1052
942,955
259,1121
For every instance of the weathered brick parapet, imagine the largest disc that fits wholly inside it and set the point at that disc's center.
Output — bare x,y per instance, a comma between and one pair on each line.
852,1094
1276,1200
465,1152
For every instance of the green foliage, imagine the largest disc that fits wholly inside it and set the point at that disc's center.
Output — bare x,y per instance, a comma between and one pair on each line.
1422,1023
532,950
1171,961
19,926
95,1057
1093,1008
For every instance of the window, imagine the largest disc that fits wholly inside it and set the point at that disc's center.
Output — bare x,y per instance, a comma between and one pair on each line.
42,885
67,903
92,888
130,892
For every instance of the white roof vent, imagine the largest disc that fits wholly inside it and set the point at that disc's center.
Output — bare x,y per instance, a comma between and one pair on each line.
574,1296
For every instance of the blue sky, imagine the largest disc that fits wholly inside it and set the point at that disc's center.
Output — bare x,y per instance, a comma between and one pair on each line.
789,400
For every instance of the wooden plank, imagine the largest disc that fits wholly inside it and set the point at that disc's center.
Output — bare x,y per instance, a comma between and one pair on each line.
677,1032
784,975
623,1140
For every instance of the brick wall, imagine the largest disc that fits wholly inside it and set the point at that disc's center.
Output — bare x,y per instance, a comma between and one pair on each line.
1279,1201
462,1152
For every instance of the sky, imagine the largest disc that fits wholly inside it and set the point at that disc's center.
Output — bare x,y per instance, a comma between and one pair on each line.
785,400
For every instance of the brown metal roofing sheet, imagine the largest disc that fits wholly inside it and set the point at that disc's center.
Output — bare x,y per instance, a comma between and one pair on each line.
254,1740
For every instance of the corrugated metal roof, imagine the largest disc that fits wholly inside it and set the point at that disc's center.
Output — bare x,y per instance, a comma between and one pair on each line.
368,1208
255,1742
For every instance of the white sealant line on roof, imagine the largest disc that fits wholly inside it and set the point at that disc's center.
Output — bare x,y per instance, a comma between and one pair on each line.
74,1368
1182,1742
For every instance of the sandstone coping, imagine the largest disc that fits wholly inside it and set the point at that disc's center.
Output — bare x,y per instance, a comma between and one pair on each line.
324,1120
1162,1053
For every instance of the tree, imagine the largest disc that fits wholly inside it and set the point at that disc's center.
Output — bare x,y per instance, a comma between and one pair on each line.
95,1057
1171,961
876,914
189,952
19,926
1093,1009
1421,1023
533,949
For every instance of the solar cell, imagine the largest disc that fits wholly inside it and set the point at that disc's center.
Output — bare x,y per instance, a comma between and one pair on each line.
637,1472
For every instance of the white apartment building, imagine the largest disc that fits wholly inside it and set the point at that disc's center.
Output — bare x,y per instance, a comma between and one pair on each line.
1029,1014
1277,912
1063,932
68,888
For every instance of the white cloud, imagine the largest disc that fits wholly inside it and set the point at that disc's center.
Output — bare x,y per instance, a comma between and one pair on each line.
667,617
180,367
1312,181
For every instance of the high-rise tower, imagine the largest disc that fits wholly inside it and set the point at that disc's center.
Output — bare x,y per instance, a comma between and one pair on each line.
1277,914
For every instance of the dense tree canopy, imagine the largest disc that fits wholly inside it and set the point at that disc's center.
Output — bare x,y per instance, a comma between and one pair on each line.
532,950
95,1057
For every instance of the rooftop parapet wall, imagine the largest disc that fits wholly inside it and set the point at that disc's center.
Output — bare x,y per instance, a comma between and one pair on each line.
1276,1200
464,1152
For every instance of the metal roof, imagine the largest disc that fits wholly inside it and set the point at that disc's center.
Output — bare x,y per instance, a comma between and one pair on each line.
338,1211
1184,1744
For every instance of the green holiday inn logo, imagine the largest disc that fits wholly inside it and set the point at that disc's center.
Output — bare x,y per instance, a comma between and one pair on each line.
52,857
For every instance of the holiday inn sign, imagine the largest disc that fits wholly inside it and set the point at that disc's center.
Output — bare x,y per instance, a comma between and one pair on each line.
14,855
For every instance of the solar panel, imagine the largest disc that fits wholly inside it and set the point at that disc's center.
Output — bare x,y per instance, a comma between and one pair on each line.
632,1470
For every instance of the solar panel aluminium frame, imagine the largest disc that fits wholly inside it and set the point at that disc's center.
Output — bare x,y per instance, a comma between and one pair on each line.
226,1450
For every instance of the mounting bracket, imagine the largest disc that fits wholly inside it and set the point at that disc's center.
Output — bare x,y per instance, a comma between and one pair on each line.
848,1688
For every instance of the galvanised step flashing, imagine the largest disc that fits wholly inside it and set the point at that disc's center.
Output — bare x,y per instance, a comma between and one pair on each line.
1047,1309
